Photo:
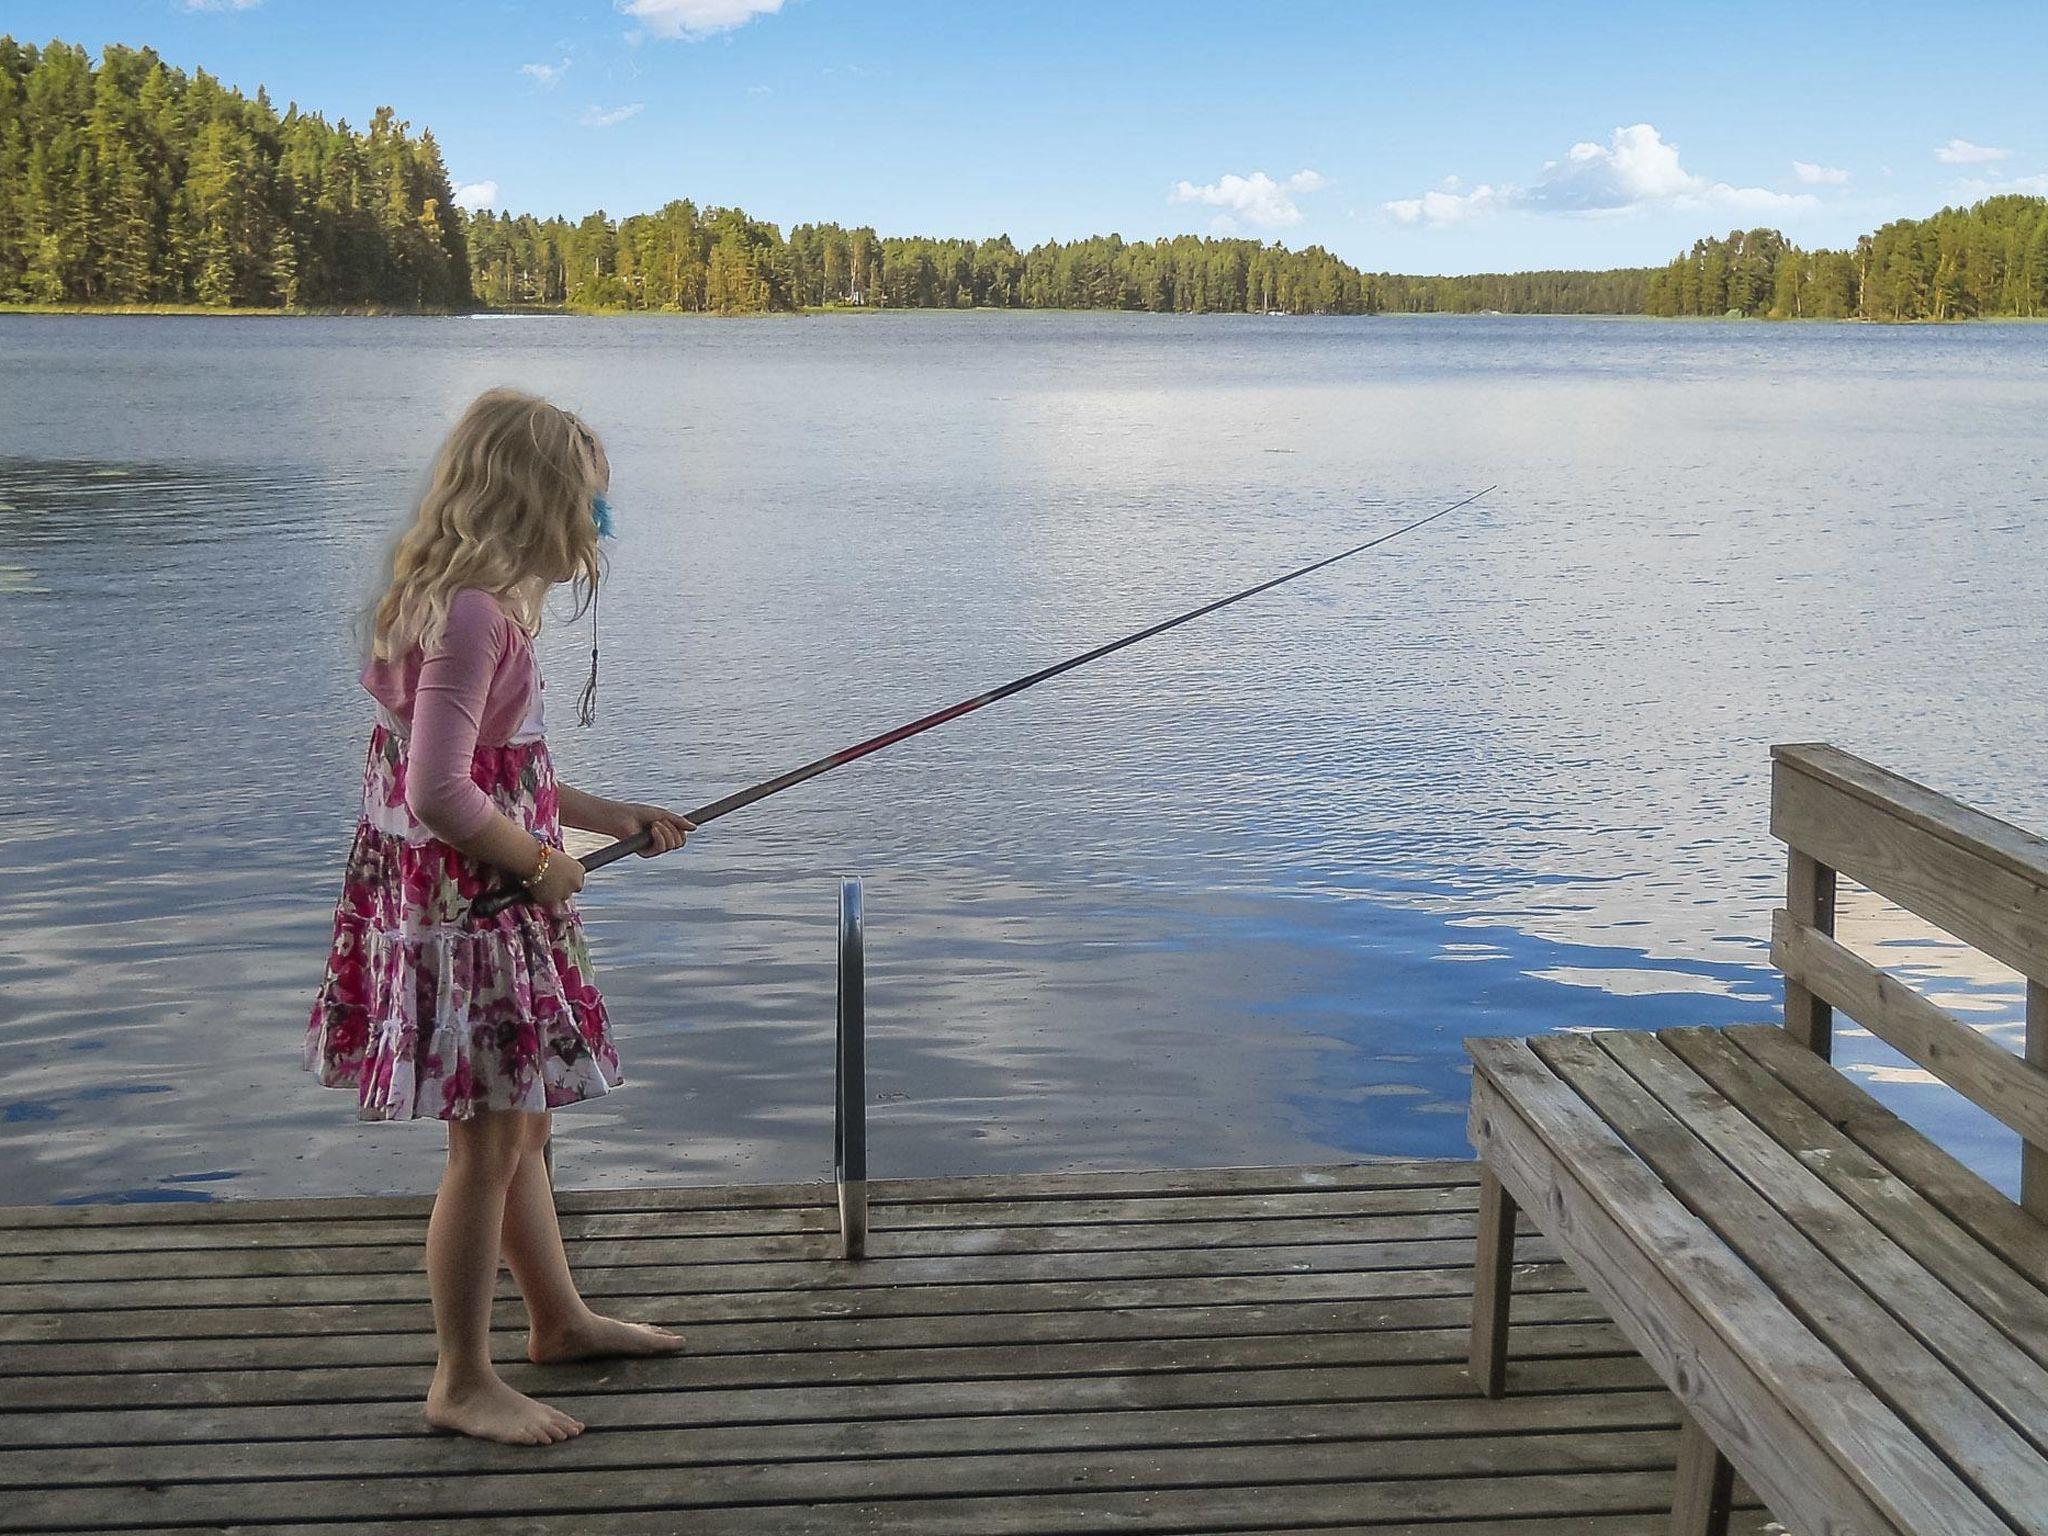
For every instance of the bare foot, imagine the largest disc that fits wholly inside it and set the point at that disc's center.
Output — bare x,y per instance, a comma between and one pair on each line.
490,1410
592,1337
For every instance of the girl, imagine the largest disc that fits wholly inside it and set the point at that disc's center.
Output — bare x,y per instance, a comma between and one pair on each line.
426,1010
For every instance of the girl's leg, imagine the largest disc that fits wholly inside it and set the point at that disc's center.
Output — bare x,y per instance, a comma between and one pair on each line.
562,1325
484,1154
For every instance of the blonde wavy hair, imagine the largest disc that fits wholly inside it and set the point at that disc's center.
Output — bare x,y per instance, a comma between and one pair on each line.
507,509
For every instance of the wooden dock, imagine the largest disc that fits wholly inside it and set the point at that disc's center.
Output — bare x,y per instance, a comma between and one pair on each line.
1228,1350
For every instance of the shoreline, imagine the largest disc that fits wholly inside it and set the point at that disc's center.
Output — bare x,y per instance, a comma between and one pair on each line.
116,311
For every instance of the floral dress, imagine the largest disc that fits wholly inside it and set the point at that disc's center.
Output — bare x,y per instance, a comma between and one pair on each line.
427,1011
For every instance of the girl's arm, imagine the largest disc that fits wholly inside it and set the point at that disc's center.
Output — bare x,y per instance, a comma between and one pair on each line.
619,819
448,708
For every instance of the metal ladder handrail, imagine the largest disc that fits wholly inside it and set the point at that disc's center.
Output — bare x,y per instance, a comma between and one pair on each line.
849,1078
849,1082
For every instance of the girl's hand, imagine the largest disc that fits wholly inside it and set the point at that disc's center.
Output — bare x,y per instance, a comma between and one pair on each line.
564,879
668,829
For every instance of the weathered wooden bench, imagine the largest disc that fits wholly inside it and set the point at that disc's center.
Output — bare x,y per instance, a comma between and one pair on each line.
1850,1318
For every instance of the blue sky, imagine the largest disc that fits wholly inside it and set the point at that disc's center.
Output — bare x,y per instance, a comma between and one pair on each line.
1448,138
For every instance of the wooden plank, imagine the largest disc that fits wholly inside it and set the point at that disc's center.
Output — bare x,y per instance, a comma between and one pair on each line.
2010,1301
2019,1238
1410,1507
868,1402
1082,1431
339,1230
1998,1461
1094,1357
1810,894
333,1226
670,1488
1284,1179
1984,836
1492,1285
183,1213
1981,1070
1947,880
939,1390
775,1276
338,1318
1980,1356
1157,1515
1005,1188
270,1351
1780,1403
622,1253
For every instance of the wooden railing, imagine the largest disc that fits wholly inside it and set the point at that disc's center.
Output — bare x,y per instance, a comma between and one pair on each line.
1981,879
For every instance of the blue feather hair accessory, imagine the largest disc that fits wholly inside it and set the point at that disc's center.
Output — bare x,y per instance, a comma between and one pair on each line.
586,706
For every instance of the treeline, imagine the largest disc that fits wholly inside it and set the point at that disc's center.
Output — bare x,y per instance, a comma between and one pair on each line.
131,182
1616,292
1987,260
1983,261
719,261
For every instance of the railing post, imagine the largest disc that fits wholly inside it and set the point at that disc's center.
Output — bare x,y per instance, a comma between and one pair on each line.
849,1105
1810,898
2034,1157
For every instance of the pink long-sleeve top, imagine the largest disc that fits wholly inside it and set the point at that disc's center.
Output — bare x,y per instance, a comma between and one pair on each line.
478,686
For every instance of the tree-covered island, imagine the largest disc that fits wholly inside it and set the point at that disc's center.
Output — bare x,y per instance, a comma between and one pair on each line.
129,183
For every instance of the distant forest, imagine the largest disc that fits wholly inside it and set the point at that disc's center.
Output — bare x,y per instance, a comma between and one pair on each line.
128,182
1986,260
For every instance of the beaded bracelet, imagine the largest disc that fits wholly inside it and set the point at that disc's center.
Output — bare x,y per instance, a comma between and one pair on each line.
540,870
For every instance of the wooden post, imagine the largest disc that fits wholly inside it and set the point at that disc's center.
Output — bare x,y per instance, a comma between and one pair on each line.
1706,1483
1492,1284
1810,898
2034,1155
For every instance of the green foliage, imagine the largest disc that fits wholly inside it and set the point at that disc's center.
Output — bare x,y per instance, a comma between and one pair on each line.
1964,263
1616,292
720,261
133,183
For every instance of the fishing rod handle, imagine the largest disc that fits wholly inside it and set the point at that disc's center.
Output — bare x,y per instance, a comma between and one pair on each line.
611,853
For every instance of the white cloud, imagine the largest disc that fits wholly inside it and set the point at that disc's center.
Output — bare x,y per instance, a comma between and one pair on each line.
696,18
1447,205
1963,152
477,194
1974,187
545,75
1819,175
1256,200
1635,169
606,117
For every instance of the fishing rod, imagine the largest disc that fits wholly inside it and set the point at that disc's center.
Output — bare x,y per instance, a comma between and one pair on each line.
492,905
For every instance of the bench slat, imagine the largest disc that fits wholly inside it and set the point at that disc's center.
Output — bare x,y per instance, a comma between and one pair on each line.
2021,1239
2007,1377
1780,1405
1985,1449
2006,1297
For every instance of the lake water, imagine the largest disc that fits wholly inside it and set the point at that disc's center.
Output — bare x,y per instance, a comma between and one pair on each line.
1234,896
